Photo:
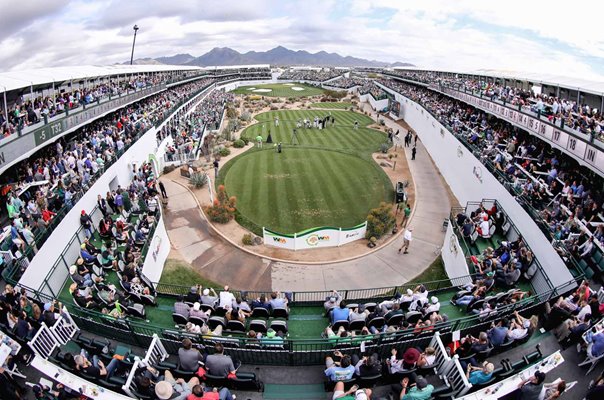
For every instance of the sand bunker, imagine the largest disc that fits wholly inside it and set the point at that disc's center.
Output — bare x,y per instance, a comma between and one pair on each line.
288,84
297,88
252,88
263,90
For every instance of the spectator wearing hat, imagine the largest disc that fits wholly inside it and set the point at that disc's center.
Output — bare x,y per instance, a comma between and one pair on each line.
86,223
79,279
88,258
433,307
353,393
421,390
197,312
188,357
207,299
174,389
478,375
272,338
332,301
192,296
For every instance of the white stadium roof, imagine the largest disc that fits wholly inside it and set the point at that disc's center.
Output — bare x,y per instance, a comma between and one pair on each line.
584,85
35,77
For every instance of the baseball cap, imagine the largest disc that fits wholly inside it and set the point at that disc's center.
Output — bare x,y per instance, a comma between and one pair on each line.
421,382
271,333
206,292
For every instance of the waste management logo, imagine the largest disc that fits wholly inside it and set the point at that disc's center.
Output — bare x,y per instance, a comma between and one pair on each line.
279,240
314,239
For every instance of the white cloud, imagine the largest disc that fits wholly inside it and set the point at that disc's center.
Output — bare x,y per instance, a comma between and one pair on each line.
462,34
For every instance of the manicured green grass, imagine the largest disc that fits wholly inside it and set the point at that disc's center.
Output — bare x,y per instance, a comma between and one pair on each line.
280,90
177,272
330,105
327,179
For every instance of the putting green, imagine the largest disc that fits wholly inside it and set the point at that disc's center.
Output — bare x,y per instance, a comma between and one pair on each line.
327,179
280,90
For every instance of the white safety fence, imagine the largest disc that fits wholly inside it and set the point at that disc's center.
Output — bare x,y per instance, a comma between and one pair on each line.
155,355
46,340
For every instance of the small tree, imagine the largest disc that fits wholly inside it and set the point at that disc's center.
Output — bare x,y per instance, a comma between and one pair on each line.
380,220
223,209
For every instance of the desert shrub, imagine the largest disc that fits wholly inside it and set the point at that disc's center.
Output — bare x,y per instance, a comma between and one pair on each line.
169,168
223,151
238,144
246,116
245,139
379,221
223,209
247,239
384,148
231,112
274,108
198,180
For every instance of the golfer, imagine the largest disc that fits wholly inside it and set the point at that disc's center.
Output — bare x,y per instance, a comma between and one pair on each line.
259,141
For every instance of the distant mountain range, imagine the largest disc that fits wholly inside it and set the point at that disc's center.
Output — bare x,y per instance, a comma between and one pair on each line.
279,56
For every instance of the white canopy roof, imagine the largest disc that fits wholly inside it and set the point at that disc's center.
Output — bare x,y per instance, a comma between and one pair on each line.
584,85
34,77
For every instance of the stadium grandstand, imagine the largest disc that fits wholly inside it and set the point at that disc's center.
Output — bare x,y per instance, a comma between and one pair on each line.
314,231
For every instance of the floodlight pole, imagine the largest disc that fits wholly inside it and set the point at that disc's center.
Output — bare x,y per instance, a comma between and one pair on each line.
135,27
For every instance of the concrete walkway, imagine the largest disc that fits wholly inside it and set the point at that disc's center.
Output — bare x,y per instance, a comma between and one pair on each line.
196,243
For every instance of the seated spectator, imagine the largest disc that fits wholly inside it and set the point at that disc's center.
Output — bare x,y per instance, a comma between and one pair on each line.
207,299
219,364
86,256
201,392
410,358
519,327
359,313
181,308
554,390
427,358
188,357
277,300
80,280
272,338
197,312
421,390
433,307
226,298
340,313
96,368
479,375
367,365
234,314
508,276
354,393
530,389
192,296
596,389
206,332
177,389
332,301
498,333
260,302
339,371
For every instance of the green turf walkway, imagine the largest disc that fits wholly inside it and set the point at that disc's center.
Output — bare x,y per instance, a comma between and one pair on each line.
294,392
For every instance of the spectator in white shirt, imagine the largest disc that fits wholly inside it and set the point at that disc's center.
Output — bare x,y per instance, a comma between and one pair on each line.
226,298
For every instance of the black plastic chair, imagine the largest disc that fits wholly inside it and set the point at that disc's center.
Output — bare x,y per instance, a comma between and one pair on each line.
413,316
278,325
376,322
260,312
179,319
258,325
368,382
336,325
395,320
280,312
235,326
213,322
356,325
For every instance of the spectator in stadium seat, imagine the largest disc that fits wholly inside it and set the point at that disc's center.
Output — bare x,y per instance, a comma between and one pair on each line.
340,313
219,364
174,389
339,370
478,375
531,388
277,300
421,390
181,308
202,392
226,298
508,276
519,327
354,393
188,357
332,300
498,333
260,302
192,296
207,299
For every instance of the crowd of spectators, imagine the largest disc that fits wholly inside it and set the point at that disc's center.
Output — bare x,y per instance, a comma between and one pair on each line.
369,87
310,74
59,174
569,200
347,83
186,130
578,116
28,112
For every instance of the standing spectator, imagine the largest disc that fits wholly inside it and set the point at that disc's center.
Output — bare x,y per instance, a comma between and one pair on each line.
530,389
86,223
413,151
162,189
407,238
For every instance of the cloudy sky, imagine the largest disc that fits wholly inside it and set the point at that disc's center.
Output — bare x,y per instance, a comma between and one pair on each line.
512,35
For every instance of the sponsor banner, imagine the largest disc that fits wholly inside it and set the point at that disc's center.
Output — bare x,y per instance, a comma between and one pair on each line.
352,234
315,238
278,240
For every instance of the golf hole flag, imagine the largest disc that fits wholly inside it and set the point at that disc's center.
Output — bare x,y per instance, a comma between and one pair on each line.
315,237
